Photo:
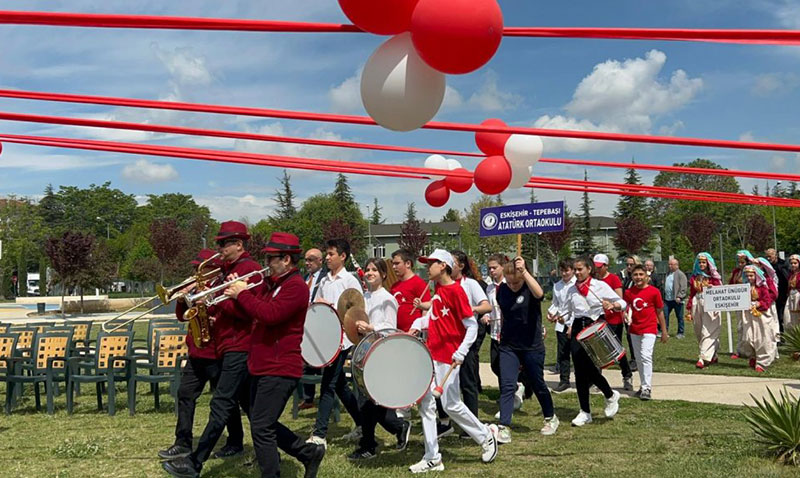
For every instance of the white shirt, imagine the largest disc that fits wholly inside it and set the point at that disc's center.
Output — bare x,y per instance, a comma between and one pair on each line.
331,288
382,309
475,293
592,305
491,294
560,304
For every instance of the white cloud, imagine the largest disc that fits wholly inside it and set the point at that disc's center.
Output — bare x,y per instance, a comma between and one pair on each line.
490,98
788,13
452,98
672,129
626,96
747,137
292,149
346,96
770,84
147,172
248,206
185,66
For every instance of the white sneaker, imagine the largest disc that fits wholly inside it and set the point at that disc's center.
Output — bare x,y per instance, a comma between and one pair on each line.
354,435
612,405
519,395
582,419
497,415
318,441
503,434
425,466
550,426
490,445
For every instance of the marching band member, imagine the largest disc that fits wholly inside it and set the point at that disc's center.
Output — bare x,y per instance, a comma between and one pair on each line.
613,317
522,342
452,329
743,257
646,315
588,301
759,330
382,312
333,378
408,287
275,363
706,324
559,314
203,366
233,326
794,292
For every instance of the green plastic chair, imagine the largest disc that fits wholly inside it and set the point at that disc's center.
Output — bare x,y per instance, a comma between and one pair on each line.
47,364
8,346
109,365
170,350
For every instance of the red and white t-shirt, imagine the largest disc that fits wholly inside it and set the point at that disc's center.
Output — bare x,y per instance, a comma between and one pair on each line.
446,331
404,292
613,317
643,303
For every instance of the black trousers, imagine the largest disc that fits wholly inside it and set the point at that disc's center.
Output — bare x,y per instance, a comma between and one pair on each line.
335,384
624,365
780,304
268,397
231,391
562,355
195,375
310,389
586,372
371,416
469,374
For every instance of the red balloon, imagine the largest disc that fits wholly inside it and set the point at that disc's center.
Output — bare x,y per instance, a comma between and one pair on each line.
493,144
456,184
457,36
437,194
384,17
493,175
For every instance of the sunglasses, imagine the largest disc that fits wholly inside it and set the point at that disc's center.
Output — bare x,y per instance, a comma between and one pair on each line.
227,242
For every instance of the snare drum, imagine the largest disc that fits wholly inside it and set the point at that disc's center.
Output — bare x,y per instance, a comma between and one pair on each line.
601,344
322,336
392,368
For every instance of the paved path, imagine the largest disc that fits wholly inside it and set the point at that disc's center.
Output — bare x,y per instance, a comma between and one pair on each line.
725,389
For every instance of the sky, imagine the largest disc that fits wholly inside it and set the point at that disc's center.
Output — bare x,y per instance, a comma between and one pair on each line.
704,90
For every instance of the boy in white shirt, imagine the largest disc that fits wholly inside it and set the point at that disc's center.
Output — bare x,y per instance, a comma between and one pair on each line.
559,314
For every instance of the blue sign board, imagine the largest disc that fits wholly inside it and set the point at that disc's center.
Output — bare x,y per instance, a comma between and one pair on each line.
530,218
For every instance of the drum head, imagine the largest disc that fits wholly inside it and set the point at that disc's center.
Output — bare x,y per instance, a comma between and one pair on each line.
322,336
591,330
398,371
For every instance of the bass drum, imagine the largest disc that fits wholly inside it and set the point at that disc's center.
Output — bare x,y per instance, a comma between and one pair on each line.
322,336
394,369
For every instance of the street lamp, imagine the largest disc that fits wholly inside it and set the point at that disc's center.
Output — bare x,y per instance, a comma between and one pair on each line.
721,258
108,229
774,224
369,233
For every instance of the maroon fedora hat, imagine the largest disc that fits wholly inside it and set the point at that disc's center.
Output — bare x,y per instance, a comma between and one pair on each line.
282,243
232,230
204,255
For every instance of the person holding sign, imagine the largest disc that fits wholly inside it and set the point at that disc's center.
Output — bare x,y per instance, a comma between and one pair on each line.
706,324
794,292
758,324
645,315
743,258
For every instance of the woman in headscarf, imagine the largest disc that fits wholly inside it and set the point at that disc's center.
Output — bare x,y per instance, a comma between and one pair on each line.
772,285
794,292
759,328
706,324
743,258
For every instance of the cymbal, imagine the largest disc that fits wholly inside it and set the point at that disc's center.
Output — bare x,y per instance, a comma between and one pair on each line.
353,315
349,298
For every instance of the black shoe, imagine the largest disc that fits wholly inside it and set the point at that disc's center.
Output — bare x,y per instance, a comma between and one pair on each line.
362,454
312,465
182,468
402,437
645,395
561,387
175,451
443,430
228,451
638,393
634,367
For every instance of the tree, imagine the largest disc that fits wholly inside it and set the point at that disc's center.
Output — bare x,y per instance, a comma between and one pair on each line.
451,216
375,215
632,235
97,209
316,214
342,192
559,242
632,206
284,198
699,229
23,233
584,229
758,233
411,212
168,243
70,255
480,248
412,237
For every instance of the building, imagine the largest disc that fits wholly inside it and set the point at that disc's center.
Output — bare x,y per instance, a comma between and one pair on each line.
385,238
604,230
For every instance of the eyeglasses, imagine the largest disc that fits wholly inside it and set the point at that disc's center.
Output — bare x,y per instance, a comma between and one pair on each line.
227,242
312,259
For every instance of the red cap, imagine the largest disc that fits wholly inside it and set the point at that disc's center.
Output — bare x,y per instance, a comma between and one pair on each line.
283,243
232,230
204,255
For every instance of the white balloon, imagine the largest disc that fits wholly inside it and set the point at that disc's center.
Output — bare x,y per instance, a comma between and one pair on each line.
436,161
520,175
453,164
399,90
523,149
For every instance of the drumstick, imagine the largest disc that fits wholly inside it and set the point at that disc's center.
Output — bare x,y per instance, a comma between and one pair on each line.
437,390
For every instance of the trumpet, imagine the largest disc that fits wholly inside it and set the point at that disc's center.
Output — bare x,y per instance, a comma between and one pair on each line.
209,296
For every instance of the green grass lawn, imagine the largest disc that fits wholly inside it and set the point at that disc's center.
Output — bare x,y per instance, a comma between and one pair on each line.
680,356
657,438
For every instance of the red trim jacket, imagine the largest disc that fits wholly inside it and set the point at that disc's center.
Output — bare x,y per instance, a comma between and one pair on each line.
763,296
697,284
278,315
233,324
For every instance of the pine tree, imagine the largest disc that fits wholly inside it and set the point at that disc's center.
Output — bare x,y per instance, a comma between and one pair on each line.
632,206
451,216
375,216
411,212
284,197
585,227
342,192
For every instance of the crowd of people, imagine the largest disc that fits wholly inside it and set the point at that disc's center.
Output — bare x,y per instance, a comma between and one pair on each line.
254,361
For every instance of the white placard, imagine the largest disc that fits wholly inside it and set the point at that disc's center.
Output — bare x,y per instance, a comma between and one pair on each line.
727,298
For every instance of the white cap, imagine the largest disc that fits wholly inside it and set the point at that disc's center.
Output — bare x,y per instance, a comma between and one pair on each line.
600,260
439,255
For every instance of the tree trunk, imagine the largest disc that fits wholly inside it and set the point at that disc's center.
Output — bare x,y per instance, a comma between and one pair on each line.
81,288
63,291
43,277
22,275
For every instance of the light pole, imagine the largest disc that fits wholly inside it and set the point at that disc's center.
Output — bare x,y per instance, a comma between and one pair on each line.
721,258
774,224
108,229
203,237
369,233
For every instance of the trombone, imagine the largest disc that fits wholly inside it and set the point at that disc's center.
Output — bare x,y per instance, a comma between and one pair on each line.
165,295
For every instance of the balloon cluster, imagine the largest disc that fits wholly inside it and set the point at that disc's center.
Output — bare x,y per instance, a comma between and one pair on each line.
510,159
438,192
403,82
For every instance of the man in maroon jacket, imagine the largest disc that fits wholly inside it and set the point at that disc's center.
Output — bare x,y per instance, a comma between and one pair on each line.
275,362
202,367
232,332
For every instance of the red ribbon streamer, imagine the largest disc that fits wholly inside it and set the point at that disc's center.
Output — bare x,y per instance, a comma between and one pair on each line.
390,170
364,120
122,125
757,37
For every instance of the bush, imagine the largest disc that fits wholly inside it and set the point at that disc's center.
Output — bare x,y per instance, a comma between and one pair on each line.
791,338
776,424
